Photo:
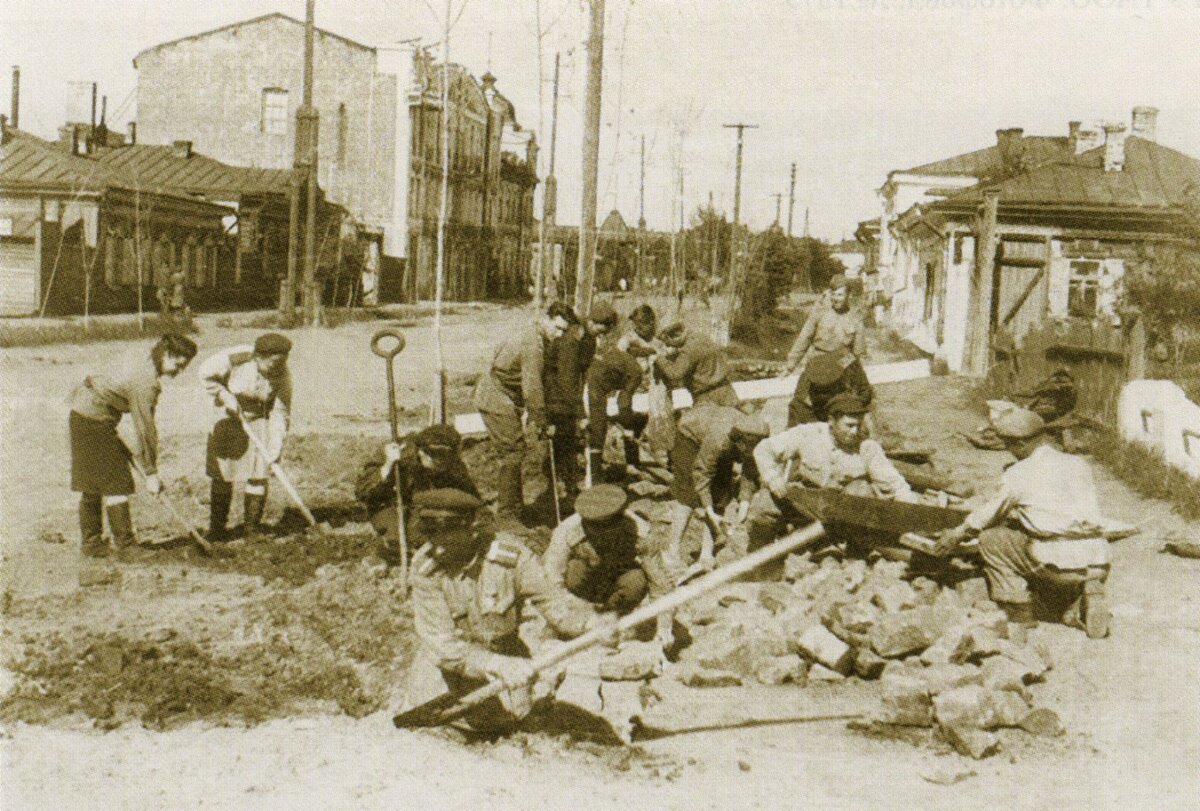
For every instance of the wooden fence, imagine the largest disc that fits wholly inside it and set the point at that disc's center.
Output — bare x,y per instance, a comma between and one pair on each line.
1100,357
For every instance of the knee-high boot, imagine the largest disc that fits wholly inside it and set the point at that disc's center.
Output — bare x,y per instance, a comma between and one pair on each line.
120,523
220,498
91,526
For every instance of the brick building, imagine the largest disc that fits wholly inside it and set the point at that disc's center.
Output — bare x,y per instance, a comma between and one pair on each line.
234,91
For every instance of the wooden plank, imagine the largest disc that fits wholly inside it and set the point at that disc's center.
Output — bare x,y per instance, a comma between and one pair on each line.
1029,288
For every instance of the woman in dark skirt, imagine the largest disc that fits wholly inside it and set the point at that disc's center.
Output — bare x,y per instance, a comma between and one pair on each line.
100,461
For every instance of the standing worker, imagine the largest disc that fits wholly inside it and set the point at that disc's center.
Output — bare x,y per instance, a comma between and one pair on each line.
692,361
250,383
514,384
568,358
832,325
710,440
612,372
426,460
99,459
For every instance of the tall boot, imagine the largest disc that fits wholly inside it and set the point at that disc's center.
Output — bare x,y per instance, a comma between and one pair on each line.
120,523
510,496
91,526
252,513
220,498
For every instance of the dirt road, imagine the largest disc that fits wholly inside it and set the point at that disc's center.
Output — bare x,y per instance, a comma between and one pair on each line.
278,735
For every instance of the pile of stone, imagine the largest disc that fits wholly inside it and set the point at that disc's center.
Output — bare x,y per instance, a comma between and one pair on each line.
944,656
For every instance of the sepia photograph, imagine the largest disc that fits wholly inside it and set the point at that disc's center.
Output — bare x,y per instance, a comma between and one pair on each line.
600,404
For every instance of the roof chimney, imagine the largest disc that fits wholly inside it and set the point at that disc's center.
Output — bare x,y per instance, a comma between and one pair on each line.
1011,143
1114,147
133,132
1145,122
15,118
1072,135
182,149
1088,137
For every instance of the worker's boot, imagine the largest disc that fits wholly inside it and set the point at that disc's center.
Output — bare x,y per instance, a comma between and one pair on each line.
120,523
91,526
1020,614
220,499
510,496
1096,613
253,504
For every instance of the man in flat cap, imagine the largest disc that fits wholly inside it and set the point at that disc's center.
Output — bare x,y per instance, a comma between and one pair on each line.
834,454
827,375
832,325
426,460
710,440
612,372
514,384
251,383
1043,525
470,588
605,555
692,361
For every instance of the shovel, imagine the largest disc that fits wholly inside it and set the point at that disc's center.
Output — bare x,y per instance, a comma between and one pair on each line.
278,470
200,540
452,706
387,344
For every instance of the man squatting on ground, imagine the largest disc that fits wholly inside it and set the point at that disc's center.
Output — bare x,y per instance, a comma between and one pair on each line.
426,460
100,461
709,440
1043,524
833,455
605,555
612,372
514,385
470,586
253,382
568,359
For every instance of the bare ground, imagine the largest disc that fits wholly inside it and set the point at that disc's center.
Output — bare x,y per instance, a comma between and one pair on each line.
265,680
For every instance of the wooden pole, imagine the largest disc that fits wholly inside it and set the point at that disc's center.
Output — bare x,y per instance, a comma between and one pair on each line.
979,307
309,119
791,199
591,160
287,288
735,250
437,411
549,201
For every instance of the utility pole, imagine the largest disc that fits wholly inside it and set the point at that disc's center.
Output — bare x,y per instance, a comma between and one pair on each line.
641,234
15,102
978,350
735,254
807,232
791,199
591,159
308,121
549,201
778,205
437,411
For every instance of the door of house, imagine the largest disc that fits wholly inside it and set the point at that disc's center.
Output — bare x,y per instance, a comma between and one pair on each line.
1021,295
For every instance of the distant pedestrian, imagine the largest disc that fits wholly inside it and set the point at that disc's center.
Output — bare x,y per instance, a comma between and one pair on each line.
100,461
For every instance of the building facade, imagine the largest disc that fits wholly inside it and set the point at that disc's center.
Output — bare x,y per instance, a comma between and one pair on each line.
1073,214
234,92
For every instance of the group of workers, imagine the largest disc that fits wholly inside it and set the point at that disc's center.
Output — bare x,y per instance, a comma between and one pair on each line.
472,574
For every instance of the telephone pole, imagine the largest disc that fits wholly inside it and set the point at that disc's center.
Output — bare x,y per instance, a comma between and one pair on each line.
591,160
641,242
308,117
791,199
807,233
735,257
778,205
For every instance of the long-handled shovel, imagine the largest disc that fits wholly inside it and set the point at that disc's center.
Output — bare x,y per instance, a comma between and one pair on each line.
554,481
451,706
167,506
387,344
278,470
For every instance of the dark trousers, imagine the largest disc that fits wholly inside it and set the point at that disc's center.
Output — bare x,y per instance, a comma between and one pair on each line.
565,448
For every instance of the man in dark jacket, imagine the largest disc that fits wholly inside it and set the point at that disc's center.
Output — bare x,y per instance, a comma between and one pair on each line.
426,460
827,375
612,372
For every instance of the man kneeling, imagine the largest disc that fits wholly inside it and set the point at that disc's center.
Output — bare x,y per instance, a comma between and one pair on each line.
470,586
1043,524
604,555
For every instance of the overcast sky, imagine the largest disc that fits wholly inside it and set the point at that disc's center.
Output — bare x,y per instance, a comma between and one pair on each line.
847,89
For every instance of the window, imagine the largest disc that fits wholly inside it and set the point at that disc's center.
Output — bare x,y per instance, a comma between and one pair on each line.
275,111
1083,288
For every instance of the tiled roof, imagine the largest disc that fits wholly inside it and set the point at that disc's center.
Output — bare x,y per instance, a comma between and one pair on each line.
161,169
988,161
1153,176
